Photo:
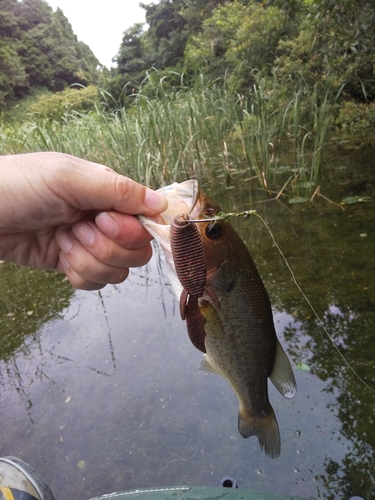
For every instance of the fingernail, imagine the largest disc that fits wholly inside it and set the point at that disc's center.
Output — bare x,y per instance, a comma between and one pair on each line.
107,224
65,241
84,233
155,201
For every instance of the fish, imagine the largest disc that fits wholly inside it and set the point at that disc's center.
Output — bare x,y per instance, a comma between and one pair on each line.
225,305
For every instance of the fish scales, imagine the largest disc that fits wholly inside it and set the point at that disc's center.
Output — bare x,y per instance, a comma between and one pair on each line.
238,331
242,335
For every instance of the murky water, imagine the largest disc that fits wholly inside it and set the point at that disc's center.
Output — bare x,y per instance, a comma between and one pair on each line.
103,392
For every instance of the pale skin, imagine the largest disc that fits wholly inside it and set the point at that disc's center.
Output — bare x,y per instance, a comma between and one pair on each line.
61,212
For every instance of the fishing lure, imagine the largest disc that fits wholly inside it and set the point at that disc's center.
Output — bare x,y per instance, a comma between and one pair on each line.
190,264
189,259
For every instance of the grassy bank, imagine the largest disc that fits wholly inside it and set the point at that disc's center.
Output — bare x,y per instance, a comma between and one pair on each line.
203,132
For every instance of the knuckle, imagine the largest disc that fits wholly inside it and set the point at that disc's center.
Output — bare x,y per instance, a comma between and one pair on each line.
124,186
108,253
82,267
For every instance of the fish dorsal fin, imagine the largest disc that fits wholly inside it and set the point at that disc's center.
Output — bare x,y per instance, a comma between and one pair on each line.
282,375
207,367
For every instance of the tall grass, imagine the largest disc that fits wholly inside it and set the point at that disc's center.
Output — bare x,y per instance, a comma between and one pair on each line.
307,123
204,132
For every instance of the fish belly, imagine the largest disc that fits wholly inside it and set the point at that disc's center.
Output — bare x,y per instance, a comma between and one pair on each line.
244,356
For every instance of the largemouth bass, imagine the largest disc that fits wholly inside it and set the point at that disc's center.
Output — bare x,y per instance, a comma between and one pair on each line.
225,305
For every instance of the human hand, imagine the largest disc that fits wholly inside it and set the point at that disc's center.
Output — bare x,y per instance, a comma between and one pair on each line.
61,212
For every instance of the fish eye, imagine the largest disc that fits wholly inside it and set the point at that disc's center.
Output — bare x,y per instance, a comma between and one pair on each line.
214,231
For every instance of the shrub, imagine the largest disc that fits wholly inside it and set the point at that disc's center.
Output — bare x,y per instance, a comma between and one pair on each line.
356,117
54,106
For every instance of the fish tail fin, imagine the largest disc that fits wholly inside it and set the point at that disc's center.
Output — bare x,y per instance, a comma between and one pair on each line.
264,428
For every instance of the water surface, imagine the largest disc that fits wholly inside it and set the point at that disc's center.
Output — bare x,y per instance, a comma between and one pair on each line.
103,392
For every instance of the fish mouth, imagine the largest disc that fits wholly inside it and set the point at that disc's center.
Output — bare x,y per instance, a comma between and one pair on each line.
182,198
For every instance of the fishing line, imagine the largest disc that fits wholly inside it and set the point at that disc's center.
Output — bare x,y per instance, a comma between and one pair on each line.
247,213
312,307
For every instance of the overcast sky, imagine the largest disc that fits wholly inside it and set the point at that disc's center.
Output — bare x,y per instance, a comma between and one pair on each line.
100,24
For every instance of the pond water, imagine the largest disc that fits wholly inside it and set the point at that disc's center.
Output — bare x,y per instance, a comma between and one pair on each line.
103,392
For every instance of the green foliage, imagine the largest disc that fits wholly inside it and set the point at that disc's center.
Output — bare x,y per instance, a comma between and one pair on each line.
335,47
160,47
203,132
195,12
296,59
13,77
239,40
206,50
299,46
166,33
254,45
55,106
39,49
356,117
129,58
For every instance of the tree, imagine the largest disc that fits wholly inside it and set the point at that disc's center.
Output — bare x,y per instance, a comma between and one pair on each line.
335,47
239,41
160,47
130,56
31,13
167,35
13,77
195,12
8,21
39,49
49,54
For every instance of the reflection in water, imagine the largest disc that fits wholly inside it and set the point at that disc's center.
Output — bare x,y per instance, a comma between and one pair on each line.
28,300
111,382
333,259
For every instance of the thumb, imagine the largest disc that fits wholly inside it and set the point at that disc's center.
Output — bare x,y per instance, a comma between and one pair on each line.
91,186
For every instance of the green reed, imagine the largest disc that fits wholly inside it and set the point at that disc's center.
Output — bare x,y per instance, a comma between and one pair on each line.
307,120
163,134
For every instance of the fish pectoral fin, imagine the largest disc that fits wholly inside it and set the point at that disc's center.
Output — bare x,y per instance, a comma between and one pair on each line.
212,296
213,326
207,366
265,428
282,375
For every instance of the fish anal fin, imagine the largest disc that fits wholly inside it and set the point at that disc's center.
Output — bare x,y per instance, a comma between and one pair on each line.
195,322
282,375
265,428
